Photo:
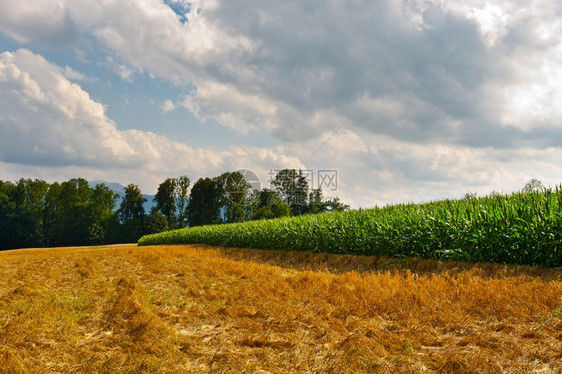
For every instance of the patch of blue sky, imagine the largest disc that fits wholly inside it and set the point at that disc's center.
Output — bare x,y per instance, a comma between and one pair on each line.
7,43
137,102
181,8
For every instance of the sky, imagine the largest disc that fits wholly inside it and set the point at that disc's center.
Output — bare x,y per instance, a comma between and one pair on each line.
381,102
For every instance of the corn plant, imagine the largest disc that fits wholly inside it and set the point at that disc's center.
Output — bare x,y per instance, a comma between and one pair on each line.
521,228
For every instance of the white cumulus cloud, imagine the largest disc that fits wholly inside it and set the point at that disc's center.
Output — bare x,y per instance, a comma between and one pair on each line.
46,121
411,98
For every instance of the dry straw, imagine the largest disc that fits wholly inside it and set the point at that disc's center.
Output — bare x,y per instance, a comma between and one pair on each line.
199,309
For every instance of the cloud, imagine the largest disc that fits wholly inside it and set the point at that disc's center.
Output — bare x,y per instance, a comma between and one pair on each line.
378,170
32,23
72,74
423,97
46,119
123,71
49,123
436,72
167,106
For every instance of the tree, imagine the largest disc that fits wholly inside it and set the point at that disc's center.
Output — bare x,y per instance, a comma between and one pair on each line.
495,193
76,214
172,201
293,188
335,205
533,185
21,213
156,222
470,196
101,210
132,205
235,199
7,211
182,199
316,202
72,218
205,202
166,200
52,202
132,215
270,205
301,194
284,183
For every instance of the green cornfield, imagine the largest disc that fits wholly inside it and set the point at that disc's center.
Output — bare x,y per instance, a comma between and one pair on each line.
521,228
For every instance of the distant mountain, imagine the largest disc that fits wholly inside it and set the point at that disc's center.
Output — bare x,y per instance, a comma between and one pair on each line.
119,189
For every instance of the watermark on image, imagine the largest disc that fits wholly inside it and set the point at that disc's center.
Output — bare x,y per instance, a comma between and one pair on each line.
240,186
243,186
251,177
325,179
328,179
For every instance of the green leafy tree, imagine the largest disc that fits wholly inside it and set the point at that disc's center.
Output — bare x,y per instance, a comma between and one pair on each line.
77,214
156,222
166,201
533,185
235,199
270,205
7,212
52,203
72,215
113,230
470,196
101,210
335,205
21,213
182,199
316,203
132,215
205,202
293,187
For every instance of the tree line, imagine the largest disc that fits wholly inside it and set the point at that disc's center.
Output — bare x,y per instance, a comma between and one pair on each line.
34,213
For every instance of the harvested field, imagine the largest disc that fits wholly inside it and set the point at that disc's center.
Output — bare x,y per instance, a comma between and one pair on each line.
201,309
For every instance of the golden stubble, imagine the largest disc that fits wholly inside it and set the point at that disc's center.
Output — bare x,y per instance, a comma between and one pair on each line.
190,309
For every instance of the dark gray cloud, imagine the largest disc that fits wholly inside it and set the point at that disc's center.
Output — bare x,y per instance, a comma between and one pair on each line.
430,94
50,23
317,59
318,56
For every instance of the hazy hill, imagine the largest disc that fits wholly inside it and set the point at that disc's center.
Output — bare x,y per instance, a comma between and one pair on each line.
119,189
